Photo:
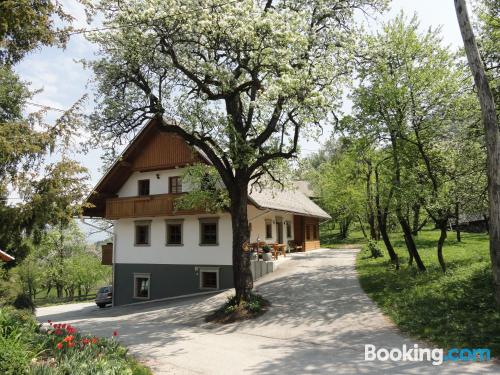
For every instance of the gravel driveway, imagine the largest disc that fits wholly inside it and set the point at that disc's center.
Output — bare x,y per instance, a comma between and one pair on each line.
319,322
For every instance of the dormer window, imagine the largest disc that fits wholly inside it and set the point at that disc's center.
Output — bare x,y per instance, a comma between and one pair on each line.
143,187
175,185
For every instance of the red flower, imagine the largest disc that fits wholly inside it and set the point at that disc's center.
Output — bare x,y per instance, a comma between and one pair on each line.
50,321
71,330
71,344
57,331
63,325
86,341
94,340
68,339
59,345
115,333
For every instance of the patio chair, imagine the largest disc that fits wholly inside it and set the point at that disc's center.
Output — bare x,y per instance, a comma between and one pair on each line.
292,244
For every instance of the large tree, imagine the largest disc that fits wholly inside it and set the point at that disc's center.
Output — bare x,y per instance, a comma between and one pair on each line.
240,80
492,135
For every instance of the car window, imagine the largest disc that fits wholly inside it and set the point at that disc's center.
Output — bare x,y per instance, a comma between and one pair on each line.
103,290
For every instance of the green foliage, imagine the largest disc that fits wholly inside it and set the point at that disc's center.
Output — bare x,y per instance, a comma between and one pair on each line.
206,191
452,309
27,24
254,304
17,348
58,350
374,249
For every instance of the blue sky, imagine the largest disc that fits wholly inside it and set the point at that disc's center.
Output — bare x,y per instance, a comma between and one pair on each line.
64,81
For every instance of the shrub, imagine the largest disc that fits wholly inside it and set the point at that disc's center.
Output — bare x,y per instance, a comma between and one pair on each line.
374,249
232,310
266,249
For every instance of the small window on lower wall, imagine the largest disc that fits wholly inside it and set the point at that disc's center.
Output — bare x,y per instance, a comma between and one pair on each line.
209,278
142,285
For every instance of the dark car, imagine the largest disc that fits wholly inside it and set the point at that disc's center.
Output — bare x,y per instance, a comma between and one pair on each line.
104,296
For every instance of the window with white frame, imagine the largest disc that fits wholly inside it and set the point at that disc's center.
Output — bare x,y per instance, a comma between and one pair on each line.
209,278
142,283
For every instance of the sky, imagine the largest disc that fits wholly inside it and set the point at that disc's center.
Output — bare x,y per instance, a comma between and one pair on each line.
63,80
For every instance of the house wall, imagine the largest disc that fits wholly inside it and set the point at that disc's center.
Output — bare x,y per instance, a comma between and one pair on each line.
156,185
190,252
257,218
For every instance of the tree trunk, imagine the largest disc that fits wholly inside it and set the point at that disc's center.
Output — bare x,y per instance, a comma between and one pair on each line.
242,276
410,243
369,203
441,224
382,221
362,227
403,221
416,220
492,136
457,222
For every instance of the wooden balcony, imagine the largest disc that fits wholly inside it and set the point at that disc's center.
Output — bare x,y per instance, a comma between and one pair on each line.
146,206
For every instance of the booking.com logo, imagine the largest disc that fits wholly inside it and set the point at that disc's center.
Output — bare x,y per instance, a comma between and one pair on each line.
416,354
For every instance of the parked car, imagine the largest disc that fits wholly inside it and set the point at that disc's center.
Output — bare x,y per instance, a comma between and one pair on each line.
104,296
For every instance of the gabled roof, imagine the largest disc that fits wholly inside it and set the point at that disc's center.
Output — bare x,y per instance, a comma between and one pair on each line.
146,151
152,149
5,257
293,201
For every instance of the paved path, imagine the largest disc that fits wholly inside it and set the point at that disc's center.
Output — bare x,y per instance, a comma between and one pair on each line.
319,322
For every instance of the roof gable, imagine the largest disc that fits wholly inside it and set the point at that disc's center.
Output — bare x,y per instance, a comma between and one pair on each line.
151,149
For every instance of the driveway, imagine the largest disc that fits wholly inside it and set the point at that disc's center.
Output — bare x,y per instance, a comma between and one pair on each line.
319,322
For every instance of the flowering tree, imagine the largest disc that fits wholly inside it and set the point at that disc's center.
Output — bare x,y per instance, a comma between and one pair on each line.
240,80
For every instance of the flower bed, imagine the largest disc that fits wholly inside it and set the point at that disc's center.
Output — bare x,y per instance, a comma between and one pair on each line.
59,349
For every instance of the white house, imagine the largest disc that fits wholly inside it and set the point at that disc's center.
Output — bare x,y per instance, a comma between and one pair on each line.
160,252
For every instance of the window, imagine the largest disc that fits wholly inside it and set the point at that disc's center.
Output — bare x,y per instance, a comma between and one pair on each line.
143,187
175,185
209,231
209,278
142,233
141,285
288,225
174,232
269,229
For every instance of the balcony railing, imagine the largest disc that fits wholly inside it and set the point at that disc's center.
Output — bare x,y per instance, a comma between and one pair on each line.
145,206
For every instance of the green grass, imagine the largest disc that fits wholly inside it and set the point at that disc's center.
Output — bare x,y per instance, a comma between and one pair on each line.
455,309
331,238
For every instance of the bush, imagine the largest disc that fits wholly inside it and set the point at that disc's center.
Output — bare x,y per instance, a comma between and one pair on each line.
374,249
24,301
17,340
232,311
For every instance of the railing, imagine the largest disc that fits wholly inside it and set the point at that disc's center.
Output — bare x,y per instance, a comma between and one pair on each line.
146,206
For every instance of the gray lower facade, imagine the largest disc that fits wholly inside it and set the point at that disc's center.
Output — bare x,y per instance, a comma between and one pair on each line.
165,280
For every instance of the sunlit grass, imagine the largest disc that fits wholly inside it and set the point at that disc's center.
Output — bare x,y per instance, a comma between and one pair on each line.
452,309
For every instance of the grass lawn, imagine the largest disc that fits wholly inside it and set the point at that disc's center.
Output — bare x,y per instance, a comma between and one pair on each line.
455,309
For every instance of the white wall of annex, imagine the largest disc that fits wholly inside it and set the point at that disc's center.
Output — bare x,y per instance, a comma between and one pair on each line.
156,185
159,253
258,218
